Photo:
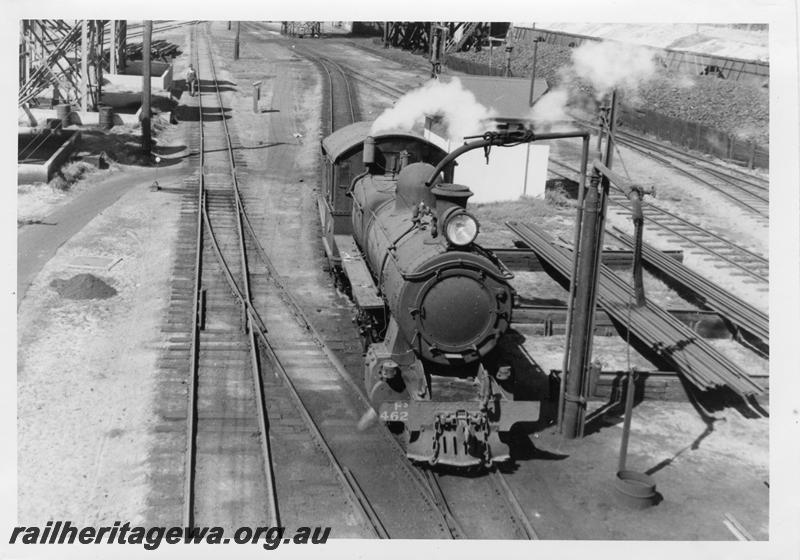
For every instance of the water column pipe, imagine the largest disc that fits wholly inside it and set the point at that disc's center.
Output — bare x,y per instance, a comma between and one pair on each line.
586,267
574,274
145,114
582,288
635,193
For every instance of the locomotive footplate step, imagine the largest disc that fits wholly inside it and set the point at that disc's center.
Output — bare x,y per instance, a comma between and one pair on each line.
364,291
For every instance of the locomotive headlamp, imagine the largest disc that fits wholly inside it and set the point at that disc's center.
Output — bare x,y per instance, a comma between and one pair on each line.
461,228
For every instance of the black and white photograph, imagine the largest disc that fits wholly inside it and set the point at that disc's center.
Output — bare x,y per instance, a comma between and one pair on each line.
297,287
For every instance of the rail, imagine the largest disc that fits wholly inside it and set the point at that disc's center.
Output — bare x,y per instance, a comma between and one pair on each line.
346,477
189,500
741,258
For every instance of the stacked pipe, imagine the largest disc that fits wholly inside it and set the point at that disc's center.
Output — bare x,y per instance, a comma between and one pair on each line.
740,313
158,49
692,357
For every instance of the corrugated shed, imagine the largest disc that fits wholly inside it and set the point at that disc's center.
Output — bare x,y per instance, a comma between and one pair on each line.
509,97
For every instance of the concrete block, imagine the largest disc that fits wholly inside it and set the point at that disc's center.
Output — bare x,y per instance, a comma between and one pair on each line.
43,172
131,80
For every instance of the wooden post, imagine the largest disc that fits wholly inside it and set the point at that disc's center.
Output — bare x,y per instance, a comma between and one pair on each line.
112,48
145,115
30,41
98,60
84,65
533,71
236,43
122,44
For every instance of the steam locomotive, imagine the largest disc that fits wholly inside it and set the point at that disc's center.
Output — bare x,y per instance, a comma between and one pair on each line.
432,304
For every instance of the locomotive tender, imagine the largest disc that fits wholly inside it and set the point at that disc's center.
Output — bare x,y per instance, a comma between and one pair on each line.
432,304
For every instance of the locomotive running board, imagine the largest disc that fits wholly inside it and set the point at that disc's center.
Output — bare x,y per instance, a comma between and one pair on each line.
363,288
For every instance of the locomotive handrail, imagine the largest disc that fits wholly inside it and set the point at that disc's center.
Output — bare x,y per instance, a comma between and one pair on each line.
453,261
504,138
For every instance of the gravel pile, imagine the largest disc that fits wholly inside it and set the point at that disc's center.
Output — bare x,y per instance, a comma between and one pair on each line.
740,108
83,286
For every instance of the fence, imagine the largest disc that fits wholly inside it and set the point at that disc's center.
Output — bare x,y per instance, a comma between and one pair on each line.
695,136
475,68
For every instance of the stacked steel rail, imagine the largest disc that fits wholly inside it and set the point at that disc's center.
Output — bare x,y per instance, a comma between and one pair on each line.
746,262
672,341
740,313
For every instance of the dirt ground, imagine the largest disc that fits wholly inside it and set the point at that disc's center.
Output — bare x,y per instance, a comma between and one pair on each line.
84,412
86,367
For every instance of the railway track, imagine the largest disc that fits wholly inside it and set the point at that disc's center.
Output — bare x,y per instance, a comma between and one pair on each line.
328,408
249,436
225,388
740,261
746,191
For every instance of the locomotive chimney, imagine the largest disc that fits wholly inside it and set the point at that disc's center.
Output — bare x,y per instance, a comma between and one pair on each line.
449,195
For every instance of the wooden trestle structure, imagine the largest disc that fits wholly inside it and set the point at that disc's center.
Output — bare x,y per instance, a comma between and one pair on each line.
70,57
460,36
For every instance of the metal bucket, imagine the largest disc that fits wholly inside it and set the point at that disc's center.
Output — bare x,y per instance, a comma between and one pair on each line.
63,111
636,490
106,116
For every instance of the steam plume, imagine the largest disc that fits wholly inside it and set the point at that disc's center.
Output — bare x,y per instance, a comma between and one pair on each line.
551,108
609,65
604,66
461,112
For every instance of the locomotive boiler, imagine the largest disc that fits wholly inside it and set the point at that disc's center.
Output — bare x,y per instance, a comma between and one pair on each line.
432,304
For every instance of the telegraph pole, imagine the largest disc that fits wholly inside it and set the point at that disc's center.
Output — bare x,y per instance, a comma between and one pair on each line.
122,43
236,43
84,65
112,49
145,115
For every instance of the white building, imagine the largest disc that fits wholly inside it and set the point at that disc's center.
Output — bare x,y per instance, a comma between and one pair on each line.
512,171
